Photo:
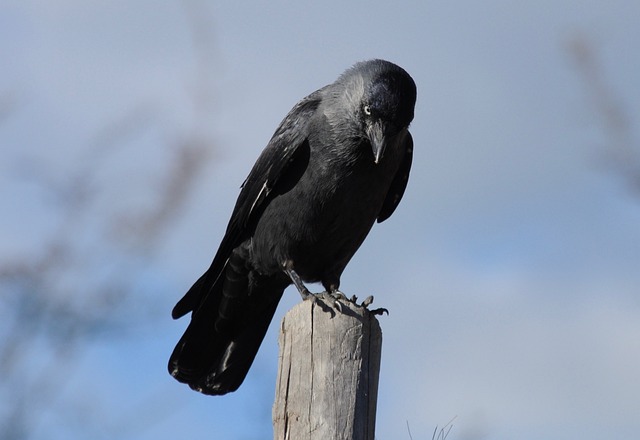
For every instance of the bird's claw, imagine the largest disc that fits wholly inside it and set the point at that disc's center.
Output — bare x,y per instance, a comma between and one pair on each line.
333,300
368,301
336,294
323,299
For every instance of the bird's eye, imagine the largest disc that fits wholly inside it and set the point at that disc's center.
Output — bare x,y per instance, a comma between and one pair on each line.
367,110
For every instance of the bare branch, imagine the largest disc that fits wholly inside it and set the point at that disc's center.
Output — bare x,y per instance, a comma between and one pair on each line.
622,151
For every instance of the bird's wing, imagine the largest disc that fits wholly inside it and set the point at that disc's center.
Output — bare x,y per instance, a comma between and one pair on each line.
281,161
399,183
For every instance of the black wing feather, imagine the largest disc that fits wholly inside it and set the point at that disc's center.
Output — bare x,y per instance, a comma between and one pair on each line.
272,166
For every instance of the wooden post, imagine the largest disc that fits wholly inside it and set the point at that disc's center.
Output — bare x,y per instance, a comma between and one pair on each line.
329,363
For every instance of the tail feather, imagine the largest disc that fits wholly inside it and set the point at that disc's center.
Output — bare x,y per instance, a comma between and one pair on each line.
226,330
217,364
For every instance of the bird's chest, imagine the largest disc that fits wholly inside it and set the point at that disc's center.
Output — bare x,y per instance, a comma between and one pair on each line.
349,194
326,215
321,220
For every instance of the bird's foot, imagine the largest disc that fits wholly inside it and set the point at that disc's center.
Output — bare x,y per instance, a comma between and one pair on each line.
336,296
332,298
325,301
367,302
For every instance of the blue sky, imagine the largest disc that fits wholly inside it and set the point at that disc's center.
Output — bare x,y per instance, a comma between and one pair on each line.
510,269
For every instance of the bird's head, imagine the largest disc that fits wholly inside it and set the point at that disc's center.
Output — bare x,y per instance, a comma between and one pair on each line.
387,102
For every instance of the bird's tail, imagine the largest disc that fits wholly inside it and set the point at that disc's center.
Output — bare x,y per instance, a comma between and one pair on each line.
226,330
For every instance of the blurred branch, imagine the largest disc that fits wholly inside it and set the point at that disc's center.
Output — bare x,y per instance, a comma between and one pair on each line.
80,283
50,320
200,19
140,228
623,151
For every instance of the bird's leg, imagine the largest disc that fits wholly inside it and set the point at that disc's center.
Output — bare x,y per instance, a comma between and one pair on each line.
304,292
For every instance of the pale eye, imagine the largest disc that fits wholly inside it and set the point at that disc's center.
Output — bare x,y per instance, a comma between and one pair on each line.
367,110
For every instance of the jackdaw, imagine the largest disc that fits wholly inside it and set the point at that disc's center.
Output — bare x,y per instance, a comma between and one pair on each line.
338,162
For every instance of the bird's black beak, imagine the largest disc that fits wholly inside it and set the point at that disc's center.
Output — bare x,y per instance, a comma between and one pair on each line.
376,134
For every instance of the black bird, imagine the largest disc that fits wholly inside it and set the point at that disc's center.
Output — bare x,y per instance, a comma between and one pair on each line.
338,162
